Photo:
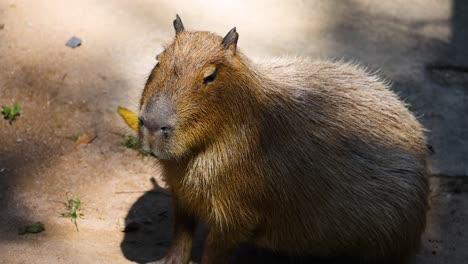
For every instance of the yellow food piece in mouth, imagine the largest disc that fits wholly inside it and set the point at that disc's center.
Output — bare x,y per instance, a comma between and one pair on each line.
129,117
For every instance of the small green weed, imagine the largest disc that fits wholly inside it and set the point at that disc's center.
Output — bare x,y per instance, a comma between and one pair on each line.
11,113
31,229
73,207
132,142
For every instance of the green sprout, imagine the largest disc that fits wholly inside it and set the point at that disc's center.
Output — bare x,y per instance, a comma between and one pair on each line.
133,142
11,114
73,210
32,229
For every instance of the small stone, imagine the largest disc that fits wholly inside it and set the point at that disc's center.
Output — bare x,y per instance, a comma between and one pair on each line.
2,26
19,140
73,42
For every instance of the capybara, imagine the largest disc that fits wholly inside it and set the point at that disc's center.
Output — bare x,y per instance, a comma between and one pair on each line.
299,156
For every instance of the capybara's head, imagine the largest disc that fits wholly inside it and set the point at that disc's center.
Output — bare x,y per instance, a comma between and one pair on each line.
180,105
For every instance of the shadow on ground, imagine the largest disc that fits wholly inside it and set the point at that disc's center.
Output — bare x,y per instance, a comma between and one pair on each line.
148,230
13,213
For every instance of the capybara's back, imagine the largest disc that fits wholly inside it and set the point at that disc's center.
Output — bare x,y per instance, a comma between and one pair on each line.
345,162
298,156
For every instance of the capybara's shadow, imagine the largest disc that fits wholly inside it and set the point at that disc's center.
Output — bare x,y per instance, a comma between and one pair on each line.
149,228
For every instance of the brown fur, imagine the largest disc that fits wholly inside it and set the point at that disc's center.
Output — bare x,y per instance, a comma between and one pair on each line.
294,155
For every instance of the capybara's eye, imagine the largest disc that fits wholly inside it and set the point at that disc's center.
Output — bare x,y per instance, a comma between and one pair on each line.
210,77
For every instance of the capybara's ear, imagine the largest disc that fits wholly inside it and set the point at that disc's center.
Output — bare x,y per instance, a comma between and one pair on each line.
129,117
230,40
178,26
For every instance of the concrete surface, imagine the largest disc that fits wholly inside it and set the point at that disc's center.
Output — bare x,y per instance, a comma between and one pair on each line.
420,46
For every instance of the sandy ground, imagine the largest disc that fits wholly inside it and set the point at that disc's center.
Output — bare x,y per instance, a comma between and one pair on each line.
420,46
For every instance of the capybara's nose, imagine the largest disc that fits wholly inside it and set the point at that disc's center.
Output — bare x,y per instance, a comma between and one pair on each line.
157,127
165,130
157,115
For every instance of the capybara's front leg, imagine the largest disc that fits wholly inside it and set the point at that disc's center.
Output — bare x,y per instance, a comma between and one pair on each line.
179,251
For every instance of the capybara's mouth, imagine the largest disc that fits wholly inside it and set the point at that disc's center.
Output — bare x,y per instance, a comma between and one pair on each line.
160,154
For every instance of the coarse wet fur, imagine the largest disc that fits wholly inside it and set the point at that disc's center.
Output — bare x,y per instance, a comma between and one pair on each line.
294,155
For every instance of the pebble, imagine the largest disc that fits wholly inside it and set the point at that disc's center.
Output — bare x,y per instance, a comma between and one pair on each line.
73,42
